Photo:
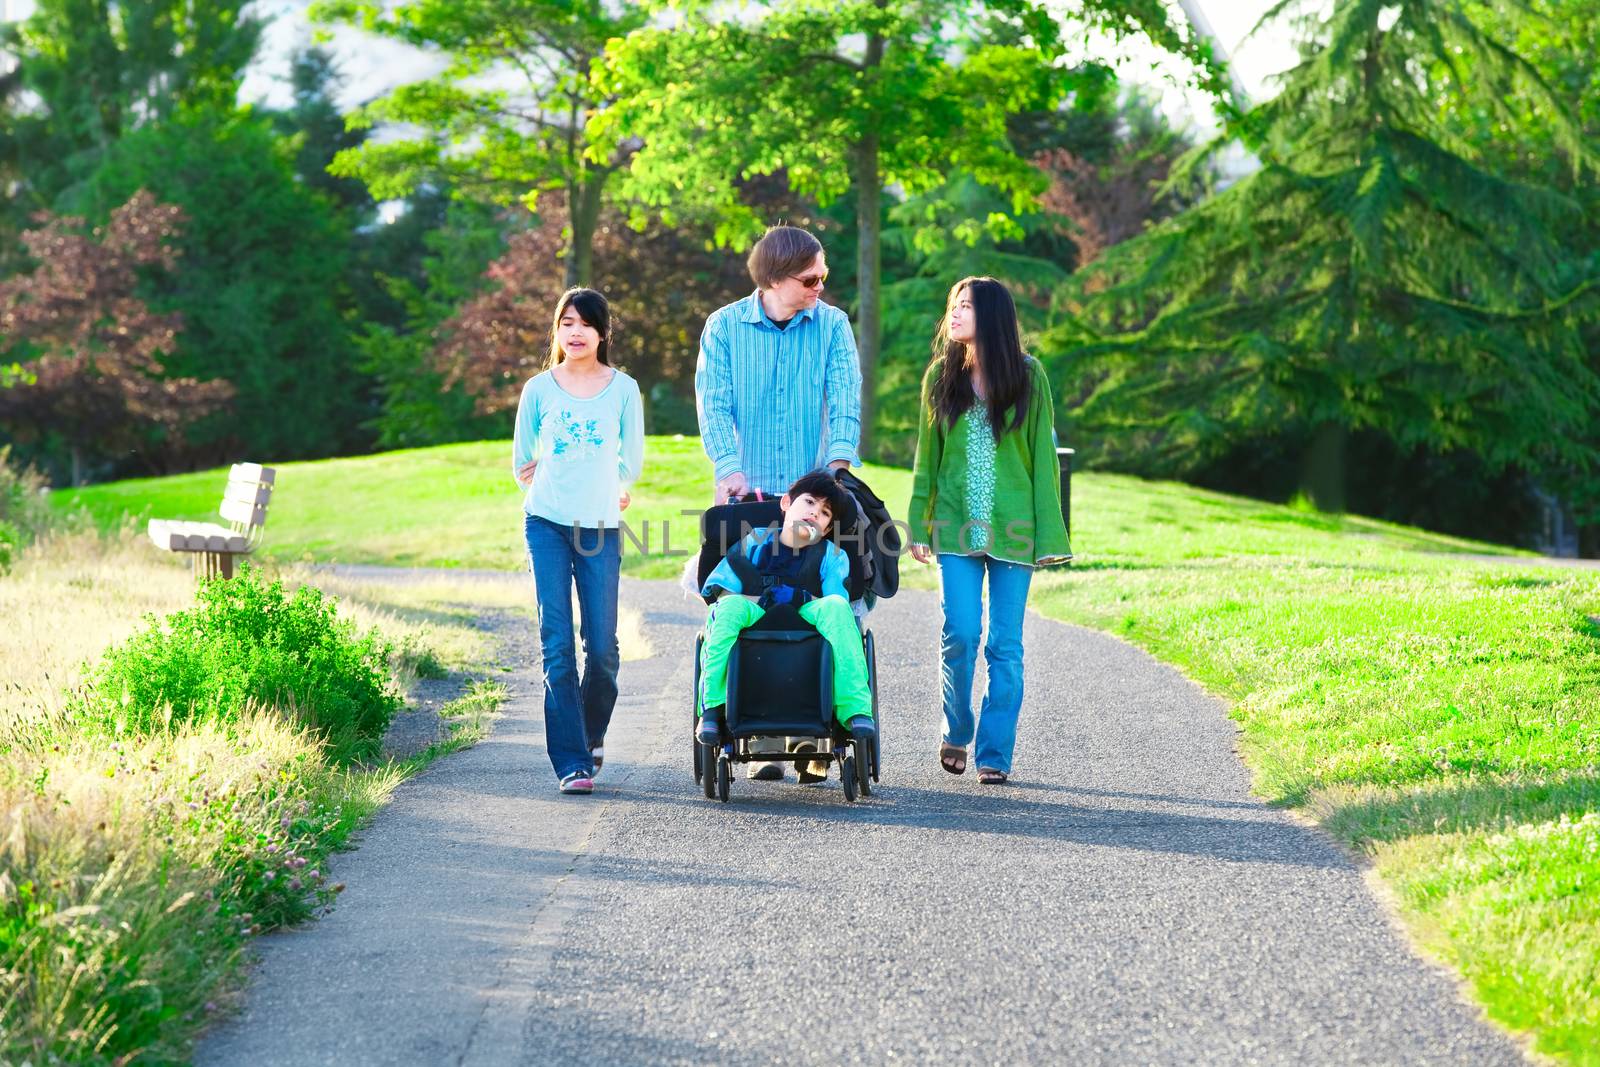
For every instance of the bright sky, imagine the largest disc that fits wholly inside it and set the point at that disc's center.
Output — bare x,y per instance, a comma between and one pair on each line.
372,66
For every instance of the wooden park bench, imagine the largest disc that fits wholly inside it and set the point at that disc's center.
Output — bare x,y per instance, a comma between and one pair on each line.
244,508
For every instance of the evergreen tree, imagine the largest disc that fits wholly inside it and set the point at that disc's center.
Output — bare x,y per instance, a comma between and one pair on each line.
95,70
1103,155
1378,274
261,283
319,132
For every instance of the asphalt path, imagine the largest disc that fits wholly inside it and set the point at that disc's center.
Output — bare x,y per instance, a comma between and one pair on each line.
1124,900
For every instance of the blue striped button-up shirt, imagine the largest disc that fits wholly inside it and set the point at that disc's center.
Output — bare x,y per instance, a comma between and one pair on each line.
777,403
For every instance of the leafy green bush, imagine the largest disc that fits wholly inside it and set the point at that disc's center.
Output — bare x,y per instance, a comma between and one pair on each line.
10,541
247,642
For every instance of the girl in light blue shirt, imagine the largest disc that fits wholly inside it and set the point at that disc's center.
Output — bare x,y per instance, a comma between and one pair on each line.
579,444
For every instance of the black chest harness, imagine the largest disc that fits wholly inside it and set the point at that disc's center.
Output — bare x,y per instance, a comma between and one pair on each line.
769,588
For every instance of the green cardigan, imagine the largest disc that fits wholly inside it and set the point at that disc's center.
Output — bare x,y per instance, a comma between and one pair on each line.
1026,517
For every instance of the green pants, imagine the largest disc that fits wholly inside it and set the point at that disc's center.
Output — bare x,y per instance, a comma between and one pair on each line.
831,615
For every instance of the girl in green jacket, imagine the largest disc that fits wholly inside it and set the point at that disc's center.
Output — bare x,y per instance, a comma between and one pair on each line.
986,500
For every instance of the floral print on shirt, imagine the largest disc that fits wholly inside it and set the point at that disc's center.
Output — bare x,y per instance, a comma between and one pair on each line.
577,438
980,480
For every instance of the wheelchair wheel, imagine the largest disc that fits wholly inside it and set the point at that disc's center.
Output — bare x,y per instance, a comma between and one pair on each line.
863,760
871,756
709,758
724,777
694,713
847,778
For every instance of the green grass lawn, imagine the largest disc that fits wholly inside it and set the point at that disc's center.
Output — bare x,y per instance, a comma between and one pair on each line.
1439,713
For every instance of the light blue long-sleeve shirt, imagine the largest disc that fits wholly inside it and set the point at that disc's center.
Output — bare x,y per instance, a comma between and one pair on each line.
777,403
588,448
834,573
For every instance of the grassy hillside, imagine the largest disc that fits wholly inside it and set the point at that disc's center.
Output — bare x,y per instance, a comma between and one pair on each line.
1438,712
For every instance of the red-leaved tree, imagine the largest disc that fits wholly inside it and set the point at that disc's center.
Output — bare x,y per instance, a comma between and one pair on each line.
661,286
89,348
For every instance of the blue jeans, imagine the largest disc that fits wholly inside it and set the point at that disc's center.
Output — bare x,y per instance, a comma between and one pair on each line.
961,597
576,715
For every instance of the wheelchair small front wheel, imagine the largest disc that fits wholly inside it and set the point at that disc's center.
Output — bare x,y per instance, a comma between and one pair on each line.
708,770
847,778
724,777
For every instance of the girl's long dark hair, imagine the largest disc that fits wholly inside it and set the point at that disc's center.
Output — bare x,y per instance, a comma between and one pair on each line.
1000,359
593,310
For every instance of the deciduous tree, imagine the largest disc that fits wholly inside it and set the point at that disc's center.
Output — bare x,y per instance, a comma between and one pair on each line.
857,95
505,119
661,284
91,348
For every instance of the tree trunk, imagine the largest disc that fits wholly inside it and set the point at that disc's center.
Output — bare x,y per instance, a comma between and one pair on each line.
583,216
1322,477
869,190
1589,540
77,466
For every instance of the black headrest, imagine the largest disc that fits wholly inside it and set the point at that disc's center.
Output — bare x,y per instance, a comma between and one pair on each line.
723,525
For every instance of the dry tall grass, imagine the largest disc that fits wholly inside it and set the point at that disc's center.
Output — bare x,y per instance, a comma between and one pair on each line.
133,871
68,599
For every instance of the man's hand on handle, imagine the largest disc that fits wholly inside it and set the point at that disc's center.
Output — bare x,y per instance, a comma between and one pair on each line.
732,486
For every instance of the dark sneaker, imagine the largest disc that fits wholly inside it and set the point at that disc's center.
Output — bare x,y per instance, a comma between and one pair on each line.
710,731
862,726
597,755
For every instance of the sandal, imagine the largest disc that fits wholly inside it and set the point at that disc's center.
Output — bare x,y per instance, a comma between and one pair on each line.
953,758
990,776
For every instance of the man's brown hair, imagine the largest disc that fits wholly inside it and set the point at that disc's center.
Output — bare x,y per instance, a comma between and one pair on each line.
782,252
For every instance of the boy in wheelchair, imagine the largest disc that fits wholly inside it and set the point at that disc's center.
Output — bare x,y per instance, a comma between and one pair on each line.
799,568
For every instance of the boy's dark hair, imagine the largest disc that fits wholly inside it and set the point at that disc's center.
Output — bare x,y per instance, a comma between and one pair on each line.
824,486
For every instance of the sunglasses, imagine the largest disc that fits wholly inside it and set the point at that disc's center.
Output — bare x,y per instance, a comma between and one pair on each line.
811,281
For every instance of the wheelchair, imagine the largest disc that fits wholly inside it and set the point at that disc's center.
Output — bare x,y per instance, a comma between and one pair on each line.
780,671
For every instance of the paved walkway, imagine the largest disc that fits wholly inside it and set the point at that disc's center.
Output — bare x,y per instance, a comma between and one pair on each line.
1124,901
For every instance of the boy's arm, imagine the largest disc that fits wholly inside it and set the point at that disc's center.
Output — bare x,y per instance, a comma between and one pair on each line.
835,572
722,576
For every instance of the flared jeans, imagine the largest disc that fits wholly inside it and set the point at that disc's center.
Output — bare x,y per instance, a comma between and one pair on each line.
576,713
961,596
